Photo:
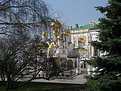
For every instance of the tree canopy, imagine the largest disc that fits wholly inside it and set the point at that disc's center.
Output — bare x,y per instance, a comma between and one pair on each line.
107,76
20,56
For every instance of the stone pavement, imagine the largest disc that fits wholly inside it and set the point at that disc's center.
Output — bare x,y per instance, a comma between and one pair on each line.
76,80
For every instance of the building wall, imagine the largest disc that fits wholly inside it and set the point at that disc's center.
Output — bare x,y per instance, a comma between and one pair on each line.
89,34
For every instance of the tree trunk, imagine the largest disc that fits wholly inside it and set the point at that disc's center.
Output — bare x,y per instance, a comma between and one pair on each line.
9,83
2,76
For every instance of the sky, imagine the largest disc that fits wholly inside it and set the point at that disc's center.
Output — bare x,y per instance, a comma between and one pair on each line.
73,12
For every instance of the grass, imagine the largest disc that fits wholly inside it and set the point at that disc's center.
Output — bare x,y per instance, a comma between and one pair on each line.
37,86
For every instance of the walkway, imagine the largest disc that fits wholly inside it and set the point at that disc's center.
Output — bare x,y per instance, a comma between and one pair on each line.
76,80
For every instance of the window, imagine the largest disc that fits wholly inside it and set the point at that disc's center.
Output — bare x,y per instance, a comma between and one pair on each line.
75,63
96,52
70,64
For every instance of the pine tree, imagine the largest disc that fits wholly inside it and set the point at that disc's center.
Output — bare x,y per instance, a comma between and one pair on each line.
107,75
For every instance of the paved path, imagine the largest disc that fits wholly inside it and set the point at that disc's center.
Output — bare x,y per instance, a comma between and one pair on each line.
76,80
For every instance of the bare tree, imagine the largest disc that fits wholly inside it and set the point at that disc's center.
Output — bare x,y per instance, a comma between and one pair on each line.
30,13
19,54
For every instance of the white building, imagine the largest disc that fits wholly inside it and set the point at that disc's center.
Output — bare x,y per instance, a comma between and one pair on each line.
81,37
71,47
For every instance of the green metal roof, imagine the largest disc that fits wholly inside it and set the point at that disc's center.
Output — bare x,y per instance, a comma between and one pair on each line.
88,26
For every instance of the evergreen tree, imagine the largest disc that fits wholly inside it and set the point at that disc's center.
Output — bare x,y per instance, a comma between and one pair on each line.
107,75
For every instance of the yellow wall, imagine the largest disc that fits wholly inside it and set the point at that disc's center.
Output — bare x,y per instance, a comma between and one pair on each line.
79,31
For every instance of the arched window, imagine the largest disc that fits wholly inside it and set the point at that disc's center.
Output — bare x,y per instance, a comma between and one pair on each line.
75,64
70,64
63,63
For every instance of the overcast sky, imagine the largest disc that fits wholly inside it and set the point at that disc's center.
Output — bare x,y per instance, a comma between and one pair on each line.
76,11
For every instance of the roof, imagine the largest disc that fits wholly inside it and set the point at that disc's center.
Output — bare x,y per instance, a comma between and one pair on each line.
88,26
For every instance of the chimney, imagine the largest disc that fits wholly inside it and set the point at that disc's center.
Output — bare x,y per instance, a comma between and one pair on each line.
70,27
76,26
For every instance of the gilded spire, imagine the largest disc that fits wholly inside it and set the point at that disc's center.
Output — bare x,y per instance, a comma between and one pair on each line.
56,24
56,15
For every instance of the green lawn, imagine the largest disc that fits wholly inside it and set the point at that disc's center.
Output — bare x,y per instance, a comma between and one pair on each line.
38,86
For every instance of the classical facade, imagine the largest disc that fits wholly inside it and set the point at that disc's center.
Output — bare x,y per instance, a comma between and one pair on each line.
71,47
81,36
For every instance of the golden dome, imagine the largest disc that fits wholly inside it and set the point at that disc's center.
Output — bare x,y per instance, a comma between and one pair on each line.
52,25
55,32
51,46
47,43
59,37
60,47
67,33
55,24
45,33
81,40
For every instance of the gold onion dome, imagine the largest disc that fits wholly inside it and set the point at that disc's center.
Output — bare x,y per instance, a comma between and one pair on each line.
55,32
51,46
59,37
55,24
52,25
81,40
67,33
45,33
47,42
